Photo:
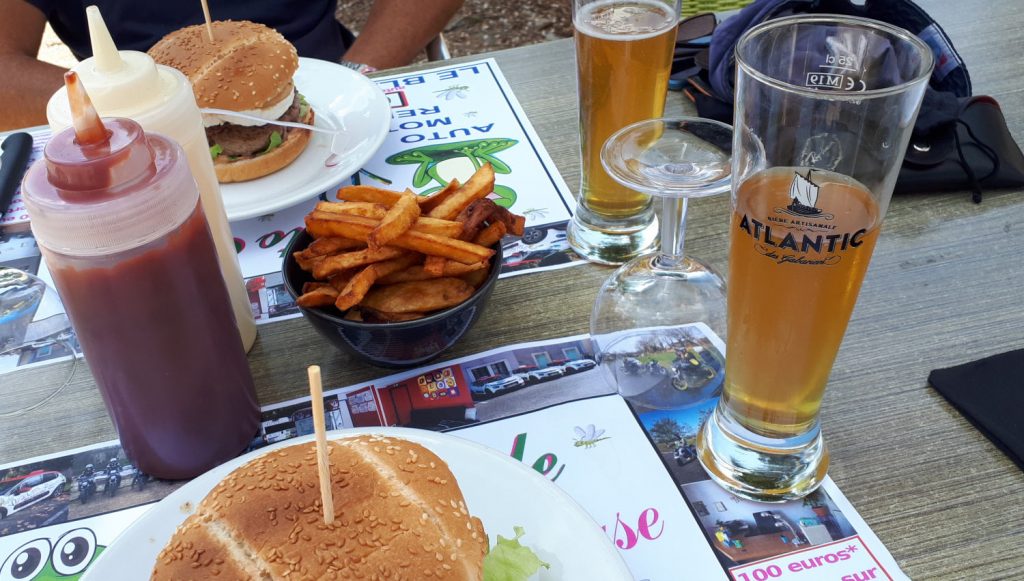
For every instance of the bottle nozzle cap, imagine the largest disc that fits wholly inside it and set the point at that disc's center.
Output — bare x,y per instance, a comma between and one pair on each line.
124,83
104,51
89,129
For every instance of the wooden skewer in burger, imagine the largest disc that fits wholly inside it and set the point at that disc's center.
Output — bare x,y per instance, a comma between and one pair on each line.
323,458
360,507
248,68
209,21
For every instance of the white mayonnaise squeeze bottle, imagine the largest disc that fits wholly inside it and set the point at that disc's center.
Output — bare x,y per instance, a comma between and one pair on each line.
129,84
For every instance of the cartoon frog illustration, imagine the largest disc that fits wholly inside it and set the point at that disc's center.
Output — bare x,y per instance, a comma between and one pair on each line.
446,161
65,560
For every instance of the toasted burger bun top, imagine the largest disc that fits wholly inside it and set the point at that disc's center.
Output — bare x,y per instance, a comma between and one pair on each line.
247,66
399,514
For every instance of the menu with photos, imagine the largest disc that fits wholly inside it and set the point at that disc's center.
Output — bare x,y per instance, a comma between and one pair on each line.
446,122
629,468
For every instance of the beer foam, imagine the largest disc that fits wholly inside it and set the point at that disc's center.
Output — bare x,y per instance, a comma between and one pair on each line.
624,21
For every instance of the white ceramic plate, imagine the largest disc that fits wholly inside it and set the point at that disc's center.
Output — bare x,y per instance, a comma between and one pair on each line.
339,97
503,493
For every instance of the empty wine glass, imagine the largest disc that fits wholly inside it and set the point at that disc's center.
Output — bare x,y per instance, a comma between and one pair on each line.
659,320
33,328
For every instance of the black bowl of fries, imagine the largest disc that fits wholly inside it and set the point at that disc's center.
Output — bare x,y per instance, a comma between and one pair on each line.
386,276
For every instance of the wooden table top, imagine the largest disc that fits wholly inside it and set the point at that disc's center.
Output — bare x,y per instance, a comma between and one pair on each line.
945,287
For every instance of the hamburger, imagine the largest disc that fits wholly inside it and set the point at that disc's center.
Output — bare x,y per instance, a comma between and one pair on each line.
247,68
399,514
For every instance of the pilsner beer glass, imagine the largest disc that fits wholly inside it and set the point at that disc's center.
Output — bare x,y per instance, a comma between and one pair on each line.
623,57
825,106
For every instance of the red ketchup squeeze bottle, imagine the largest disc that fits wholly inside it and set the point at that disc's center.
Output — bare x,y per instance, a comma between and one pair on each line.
116,214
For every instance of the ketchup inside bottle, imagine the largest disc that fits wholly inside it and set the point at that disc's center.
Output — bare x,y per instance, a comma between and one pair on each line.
118,219
159,335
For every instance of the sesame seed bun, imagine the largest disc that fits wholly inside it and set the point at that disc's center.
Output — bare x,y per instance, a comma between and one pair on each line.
246,66
250,168
399,514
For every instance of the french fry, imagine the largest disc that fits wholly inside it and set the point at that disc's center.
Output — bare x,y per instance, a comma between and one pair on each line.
490,235
361,282
452,268
372,195
434,265
414,272
473,217
392,266
368,194
428,203
399,218
356,288
314,254
437,227
423,224
418,272
319,296
331,265
340,281
325,246
478,186
305,261
359,228
515,223
518,225
450,248
373,315
419,296
375,211
365,209
475,278
354,315
312,286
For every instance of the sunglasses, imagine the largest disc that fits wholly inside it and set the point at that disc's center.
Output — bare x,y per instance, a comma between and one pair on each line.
696,31
691,51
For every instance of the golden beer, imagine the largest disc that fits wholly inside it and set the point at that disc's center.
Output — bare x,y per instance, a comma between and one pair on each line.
800,245
624,55
801,238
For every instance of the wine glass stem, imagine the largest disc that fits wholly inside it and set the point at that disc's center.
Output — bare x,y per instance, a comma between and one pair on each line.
673,230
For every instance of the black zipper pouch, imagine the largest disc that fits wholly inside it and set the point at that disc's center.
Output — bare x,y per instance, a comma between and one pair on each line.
968,147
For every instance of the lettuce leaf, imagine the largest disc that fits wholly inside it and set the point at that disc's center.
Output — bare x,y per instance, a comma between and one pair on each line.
275,140
510,561
303,107
216,150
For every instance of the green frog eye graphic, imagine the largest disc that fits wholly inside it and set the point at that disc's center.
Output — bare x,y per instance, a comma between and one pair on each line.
73,552
439,164
26,561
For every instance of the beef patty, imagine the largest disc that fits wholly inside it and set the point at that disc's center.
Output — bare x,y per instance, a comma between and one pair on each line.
241,141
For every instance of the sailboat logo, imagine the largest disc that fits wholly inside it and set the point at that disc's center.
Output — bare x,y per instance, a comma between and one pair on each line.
803,194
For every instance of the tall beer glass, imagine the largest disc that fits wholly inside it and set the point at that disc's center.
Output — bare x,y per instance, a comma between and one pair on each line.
825,106
623,57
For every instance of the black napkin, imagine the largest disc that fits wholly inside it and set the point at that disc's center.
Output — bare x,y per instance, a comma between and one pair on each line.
990,393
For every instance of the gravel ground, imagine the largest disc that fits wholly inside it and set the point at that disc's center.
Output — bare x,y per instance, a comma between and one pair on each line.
474,29
485,25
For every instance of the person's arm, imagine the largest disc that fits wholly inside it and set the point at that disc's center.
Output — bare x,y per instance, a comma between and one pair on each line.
397,30
27,83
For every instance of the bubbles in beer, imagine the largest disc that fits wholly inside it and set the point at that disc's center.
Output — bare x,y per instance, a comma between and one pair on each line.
624,55
633,20
792,289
